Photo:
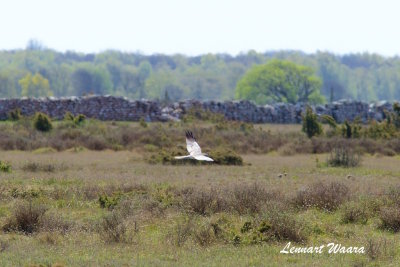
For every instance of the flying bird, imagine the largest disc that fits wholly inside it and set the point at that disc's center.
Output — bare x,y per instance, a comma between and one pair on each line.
194,149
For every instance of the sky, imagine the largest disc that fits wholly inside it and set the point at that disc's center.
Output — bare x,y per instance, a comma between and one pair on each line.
194,27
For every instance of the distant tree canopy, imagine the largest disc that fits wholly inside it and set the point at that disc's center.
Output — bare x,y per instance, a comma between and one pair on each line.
280,81
35,85
39,71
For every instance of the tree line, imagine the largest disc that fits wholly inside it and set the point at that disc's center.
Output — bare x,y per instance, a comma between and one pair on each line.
37,71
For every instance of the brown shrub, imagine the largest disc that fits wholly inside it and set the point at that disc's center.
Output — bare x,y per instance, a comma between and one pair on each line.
390,218
343,156
242,198
325,196
112,227
355,212
285,227
43,167
377,248
203,201
26,218
250,198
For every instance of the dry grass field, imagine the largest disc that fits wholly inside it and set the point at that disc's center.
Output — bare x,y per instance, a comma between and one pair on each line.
111,208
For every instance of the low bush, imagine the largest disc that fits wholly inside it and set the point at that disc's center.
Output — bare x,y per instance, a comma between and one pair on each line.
390,218
343,156
112,227
5,166
355,212
79,119
274,226
39,167
204,201
42,122
68,116
222,156
325,196
110,202
239,198
15,115
26,218
250,198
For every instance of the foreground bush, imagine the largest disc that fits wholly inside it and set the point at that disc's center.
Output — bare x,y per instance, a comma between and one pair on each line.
355,213
5,166
112,227
325,196
26,218
390,217
42,122
240,198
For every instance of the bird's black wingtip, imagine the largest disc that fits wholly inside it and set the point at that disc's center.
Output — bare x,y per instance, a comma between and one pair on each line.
189,134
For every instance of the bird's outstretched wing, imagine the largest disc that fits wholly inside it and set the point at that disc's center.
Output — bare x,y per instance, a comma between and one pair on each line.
183,157
202,157
192,147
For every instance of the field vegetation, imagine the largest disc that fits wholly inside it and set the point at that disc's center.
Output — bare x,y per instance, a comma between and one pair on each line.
86,192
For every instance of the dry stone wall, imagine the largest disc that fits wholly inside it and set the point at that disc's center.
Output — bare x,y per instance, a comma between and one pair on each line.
123,109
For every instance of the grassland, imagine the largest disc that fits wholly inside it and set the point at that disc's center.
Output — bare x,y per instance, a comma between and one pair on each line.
163,215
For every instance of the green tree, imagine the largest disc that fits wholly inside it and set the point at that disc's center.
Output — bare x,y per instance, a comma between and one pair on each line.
35,86
280,81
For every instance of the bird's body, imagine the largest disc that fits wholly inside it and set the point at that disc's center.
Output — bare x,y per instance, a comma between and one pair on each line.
194,149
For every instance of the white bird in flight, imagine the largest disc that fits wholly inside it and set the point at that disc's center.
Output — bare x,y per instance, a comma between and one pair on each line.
194,149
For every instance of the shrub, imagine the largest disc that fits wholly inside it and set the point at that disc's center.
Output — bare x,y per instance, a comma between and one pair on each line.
5,166
143,123
79,119
381,130
203,201
26,218
223,156
277,226
69,116
112,227
355,213
109,202
35,167
311,126
250,198
15,115
329,120
325,196
379,248
42,122
390,217
343,156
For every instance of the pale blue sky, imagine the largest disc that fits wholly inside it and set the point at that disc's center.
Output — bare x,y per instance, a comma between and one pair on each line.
198,27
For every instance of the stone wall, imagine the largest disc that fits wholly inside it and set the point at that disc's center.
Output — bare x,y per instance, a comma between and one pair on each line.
123,109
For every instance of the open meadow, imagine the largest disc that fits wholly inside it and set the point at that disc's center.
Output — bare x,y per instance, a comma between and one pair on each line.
75,199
